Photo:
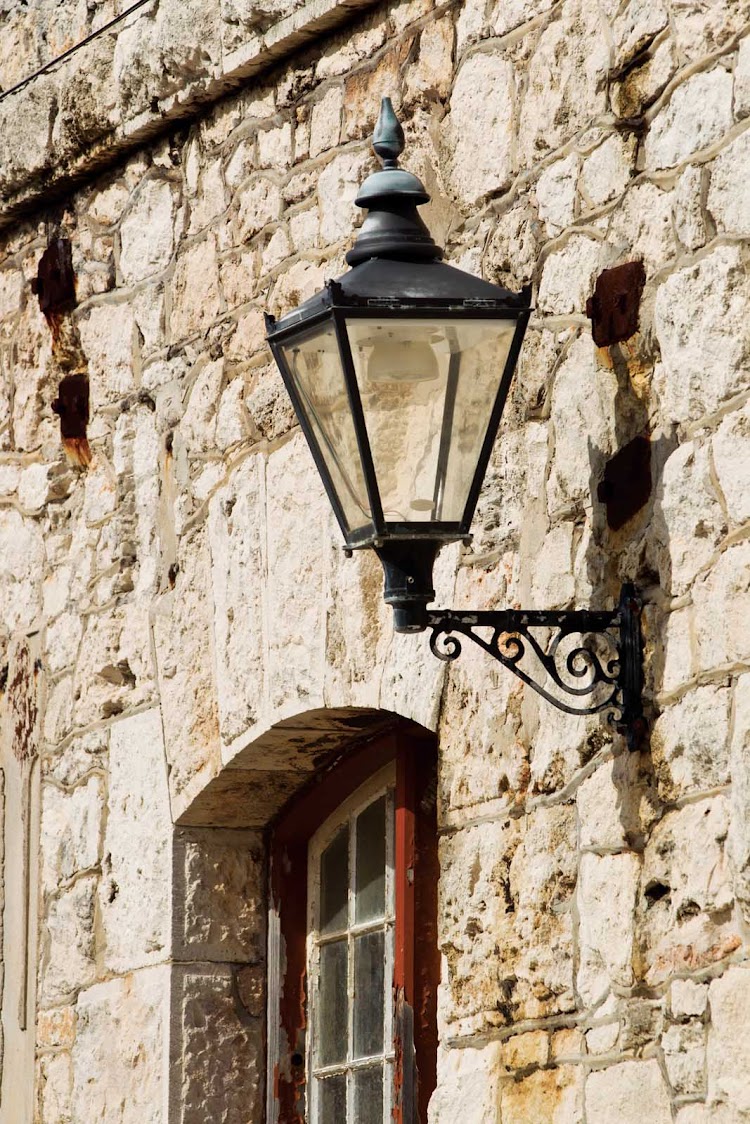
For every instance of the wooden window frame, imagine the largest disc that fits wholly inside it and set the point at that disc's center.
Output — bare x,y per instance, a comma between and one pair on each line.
416,958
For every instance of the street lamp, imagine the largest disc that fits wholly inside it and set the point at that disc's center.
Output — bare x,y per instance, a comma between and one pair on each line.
399,372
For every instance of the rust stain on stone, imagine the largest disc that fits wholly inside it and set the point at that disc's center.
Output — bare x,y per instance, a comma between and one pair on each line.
72,408
54,284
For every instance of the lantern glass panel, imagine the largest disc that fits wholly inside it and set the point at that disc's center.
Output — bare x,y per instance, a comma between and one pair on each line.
314,364
427,388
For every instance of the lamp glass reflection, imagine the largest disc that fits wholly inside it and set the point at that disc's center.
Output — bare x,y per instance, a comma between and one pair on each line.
427,389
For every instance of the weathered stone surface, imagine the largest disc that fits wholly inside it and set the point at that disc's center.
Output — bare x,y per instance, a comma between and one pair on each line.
221,1050
195,290
607,170
739,762
71,827
697,114
689,519
556,193
609,806
728,1045
642,226
689,743
731,451
689,220
21,562
569,273
480,128
722,610
629,1093
147,232
605,896
704,357
135,896
107,339
236,517
68,949
338,185
553,1095
120,1062
470,1087
685,918
219,896
685,1058
729,194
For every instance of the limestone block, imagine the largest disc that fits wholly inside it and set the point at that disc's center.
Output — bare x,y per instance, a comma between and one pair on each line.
269,406
33,487
606,897
476,931
183,626
688,518
108,337
100,492
430,76
729,192
198,425
697,114
479,129
642,226
276,250
71,762
636,27
687,999
220,896
704,334
552,582
338,185
147,232
260,204
71,826
722,610
742,79
107,202
469,1084
325,127
689,743
195,290
700,29
236,530
513,248
607,170
569,273
21,566
629,1093
120,1061
566,80
137,457
728,1054
556,193
739,830
529,1049
677,652
135,893
114,663
685,914
609,805
295,590
542,882
238,272
553,1095
211,199
684,1049
583,412
731,455
68,960
689,221
54,1087
30,374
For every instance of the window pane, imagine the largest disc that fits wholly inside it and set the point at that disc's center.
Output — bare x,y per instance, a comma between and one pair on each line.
369,994
368,1095
332,1008
370,889
334,883
315,366
332,1099
427,388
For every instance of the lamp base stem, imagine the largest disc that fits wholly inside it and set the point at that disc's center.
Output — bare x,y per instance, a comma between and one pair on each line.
407,568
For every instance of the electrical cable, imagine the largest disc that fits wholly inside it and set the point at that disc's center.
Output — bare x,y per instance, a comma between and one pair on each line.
72,50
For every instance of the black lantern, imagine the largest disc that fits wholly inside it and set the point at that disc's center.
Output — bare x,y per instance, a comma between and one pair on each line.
399,371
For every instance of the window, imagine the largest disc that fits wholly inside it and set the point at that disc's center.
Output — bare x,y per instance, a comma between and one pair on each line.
353,960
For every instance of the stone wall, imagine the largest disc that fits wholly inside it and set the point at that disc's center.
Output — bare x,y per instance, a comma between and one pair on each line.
202,639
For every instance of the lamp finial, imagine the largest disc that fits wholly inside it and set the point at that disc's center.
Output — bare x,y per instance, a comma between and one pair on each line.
388,137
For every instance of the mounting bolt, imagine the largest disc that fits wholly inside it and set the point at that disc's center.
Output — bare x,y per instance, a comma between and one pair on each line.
348,553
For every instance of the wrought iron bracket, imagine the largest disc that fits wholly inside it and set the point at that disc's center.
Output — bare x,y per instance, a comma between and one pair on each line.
602,672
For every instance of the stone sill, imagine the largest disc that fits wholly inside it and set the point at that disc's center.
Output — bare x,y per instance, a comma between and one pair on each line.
86,108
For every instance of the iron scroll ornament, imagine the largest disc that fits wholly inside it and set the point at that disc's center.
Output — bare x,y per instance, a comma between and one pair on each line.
589,680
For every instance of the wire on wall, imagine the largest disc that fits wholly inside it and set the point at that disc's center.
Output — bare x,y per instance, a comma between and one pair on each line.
72,50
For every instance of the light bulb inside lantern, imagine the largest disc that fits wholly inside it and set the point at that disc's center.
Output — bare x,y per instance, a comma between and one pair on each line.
399,360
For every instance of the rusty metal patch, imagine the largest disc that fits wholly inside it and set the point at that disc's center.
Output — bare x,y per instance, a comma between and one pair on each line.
55,284
613,309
